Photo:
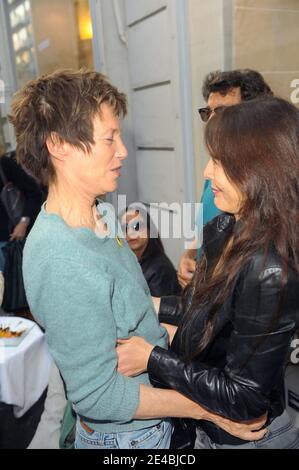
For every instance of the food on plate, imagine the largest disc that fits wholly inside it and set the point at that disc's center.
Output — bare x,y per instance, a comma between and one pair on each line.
8,333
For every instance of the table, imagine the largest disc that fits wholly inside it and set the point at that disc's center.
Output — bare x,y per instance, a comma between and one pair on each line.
24,368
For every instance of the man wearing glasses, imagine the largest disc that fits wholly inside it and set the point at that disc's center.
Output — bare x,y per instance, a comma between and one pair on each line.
220,89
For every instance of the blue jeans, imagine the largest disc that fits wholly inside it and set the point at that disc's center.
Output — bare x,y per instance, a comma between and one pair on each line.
155,437
2,256
281,434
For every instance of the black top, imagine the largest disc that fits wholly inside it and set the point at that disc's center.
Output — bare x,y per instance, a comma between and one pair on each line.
160,275
25,183
240,374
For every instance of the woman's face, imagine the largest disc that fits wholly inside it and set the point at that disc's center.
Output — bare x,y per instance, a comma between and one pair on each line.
135,230
227,197
97,172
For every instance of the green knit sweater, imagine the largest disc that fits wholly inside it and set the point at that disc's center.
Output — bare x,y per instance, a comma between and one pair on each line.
86,292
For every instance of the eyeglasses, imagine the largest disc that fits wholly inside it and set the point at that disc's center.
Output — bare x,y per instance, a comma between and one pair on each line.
205,113
137,226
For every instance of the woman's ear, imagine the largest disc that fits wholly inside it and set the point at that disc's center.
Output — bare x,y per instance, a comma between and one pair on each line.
57,147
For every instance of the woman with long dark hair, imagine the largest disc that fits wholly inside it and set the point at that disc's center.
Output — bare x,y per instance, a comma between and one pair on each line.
144,240
237,319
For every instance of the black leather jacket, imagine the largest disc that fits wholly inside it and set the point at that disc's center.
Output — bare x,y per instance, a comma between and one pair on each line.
15,174
231,377
160,275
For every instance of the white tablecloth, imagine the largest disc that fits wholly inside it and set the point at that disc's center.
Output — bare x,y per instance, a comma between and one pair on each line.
24,369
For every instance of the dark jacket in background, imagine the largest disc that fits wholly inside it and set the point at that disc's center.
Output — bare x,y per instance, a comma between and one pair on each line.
240,374
160,275
27,185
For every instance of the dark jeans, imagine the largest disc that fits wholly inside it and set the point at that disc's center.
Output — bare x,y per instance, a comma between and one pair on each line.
2,255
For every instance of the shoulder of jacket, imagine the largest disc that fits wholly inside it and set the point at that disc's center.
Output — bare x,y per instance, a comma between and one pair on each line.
220,223
264,266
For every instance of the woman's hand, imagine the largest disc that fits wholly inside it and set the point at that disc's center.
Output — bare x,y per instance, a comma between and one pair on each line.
186,269
246,430
133,355
19,232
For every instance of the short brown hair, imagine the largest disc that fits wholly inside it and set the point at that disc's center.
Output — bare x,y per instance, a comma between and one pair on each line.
64,102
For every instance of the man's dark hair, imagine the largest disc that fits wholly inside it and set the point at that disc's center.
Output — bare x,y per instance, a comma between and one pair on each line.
250,82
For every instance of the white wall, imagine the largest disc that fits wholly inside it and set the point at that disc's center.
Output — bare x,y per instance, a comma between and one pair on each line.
111,58
147,69
153,47
207,53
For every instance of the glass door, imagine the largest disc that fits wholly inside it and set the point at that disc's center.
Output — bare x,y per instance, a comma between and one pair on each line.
19,19
46,35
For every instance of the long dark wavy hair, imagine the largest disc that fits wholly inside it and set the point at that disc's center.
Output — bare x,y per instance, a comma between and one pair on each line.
257,144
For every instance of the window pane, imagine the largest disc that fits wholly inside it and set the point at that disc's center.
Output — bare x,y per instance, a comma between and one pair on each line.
22,41
50,34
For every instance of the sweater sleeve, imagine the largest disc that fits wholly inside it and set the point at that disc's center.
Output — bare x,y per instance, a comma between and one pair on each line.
255,358
74,306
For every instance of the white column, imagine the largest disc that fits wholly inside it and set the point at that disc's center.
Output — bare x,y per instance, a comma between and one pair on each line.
7,74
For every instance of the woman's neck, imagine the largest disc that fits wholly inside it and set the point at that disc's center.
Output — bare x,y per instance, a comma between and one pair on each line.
74,207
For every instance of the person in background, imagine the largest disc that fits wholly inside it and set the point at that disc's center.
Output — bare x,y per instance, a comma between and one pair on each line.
83,283
144,240
237,319
15,174
220,89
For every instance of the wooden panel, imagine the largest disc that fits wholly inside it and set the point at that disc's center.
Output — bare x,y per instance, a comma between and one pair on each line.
154,119
136,9
281,82
149,51
277,47
270,4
